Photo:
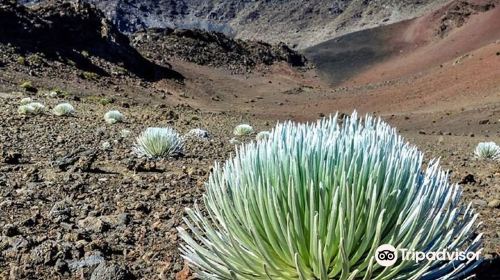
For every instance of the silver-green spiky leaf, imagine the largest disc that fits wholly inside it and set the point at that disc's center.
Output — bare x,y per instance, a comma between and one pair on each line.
316,200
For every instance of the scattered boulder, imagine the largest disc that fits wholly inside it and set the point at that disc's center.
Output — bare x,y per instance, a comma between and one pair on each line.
479,202
89,261
81,159
116,220
110,271
61,266
459,13
495,203
43,253
93,224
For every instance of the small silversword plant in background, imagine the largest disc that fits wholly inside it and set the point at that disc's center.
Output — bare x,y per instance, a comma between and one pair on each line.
157,142
32,108
243,130
52,94
38,107
25,100
106,145
63,109
487,150
25,109
113,117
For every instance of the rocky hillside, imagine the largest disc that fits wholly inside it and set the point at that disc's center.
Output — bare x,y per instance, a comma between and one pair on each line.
389,52
456,14
212,49
295,22
73,34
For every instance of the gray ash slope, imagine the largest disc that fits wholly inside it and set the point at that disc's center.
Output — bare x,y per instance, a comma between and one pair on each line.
295,22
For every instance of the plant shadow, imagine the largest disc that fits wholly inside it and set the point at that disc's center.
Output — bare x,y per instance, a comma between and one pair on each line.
489,269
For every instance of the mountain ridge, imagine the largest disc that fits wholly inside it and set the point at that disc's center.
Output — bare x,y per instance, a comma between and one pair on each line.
293,22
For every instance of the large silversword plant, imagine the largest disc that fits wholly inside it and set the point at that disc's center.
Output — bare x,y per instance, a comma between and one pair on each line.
314,201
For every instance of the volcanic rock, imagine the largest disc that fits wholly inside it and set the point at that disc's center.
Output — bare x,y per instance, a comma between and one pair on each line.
70,32
213,49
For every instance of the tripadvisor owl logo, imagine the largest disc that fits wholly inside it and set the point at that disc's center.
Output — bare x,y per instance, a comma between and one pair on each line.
387,255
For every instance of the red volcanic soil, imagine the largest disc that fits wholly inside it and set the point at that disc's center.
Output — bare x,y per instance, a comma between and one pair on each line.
446,61
423,44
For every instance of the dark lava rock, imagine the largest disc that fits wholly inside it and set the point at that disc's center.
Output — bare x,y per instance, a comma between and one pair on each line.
117,220
11,157
17,245
108,271
80,159
10,230
214,49
141,165
82,28
61,266
468,179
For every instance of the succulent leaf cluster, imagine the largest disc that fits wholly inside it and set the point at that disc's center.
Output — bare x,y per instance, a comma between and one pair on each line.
63,109
30,108
487,150
113,116
157,142
243,130
316,200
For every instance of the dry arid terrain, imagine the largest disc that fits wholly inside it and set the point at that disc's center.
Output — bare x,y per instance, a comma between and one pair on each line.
77,203
295,22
